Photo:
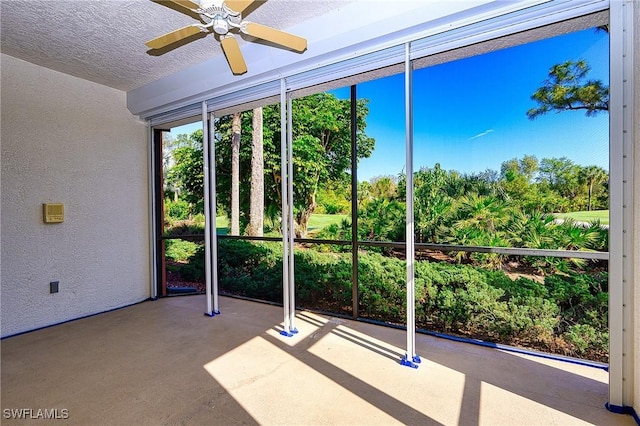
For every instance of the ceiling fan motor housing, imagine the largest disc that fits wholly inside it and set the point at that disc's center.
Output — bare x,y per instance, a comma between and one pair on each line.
206,4
220,25
222,20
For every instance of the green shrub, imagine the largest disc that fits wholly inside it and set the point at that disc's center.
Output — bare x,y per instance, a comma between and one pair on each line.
520,287
194,269
466,299
453,298
332,201
586,338
251,269
192,226
180,250
323,280
381,287
177,210
335,232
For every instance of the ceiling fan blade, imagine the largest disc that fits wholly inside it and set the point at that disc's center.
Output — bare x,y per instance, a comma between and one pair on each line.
231,50
173,36
187,4
263,32
238,5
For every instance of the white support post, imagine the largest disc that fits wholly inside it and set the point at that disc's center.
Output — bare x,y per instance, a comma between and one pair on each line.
621,351
153,241
285,207
292,278
207,209
411,359
630,355
214,212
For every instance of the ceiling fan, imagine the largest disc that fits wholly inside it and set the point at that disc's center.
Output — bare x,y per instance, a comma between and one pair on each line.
223,18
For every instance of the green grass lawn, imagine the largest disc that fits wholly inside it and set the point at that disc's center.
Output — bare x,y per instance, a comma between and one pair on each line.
602,215
316,222
319,221
222,225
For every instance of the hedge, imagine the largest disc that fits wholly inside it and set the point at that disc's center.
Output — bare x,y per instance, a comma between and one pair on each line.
565,314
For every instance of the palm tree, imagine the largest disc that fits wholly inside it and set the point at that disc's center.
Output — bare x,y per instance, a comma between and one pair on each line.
235,174
532,229
487,213
571,235
256,205
590,176
383,220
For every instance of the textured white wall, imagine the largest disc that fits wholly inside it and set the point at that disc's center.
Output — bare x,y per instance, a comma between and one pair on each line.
68,140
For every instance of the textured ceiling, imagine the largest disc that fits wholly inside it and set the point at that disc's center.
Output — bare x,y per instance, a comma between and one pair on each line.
103,40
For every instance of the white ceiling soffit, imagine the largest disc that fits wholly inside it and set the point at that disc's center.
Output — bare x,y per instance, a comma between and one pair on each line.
377,31
103,40
359,23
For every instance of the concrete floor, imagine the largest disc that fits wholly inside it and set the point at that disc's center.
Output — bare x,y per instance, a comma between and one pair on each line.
164,362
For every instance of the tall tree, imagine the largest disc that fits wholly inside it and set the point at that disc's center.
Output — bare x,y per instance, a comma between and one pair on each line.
567,88
384,187
256,204
561,174
432,203
322,148
592,175
271,156
186,173
529,166
235,173
517,175
321,152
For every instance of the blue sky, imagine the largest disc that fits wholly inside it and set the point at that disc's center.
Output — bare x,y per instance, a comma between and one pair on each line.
470,114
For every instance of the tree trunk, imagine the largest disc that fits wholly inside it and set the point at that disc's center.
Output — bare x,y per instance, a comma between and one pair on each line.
302,218
256,207
235,174
589,199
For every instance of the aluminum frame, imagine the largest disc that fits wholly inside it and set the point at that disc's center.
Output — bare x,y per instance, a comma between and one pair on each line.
411,358
153,237
621,351
621,155
207,209
355,298
628,231
284,188
291,263
214,211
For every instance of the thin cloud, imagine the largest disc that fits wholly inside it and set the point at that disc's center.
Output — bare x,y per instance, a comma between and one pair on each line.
479,135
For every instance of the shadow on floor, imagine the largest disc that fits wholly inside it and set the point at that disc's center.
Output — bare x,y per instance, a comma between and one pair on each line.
164,362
